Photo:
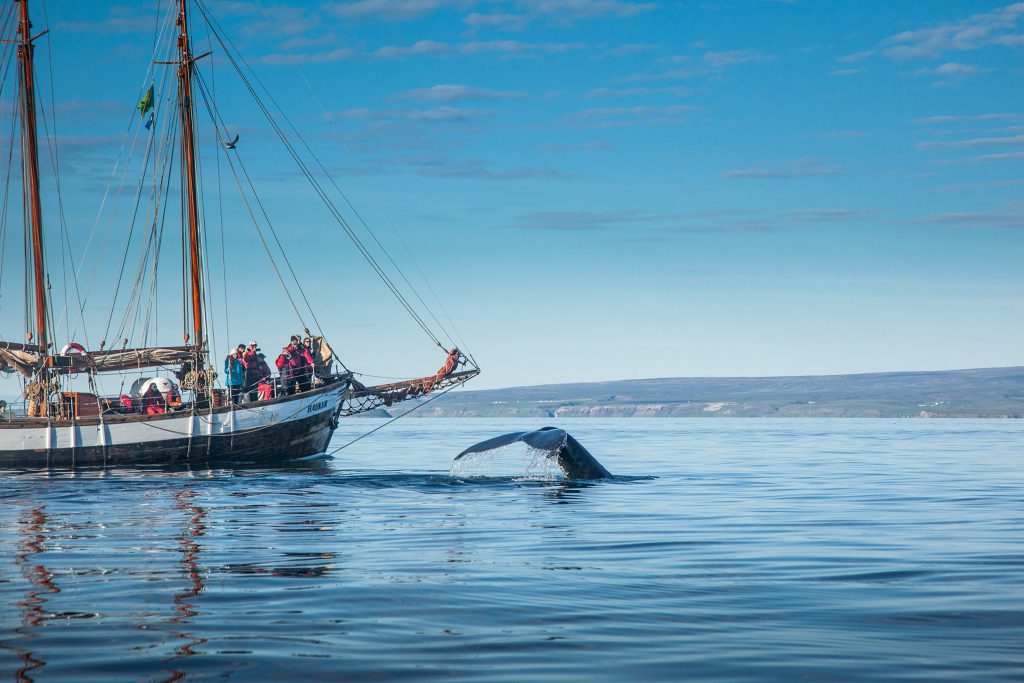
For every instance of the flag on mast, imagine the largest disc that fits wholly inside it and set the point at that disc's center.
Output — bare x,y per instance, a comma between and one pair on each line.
147,102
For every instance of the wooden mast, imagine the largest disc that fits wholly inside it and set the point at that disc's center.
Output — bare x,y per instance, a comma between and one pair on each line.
30,162
188,160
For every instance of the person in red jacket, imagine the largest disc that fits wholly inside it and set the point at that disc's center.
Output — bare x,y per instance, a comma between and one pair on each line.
284,367
252,370
301,363
153,402
264,383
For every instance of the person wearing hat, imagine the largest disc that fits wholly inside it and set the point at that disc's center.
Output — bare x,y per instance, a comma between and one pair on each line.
264,382
234,373
252,370
301,363
283,363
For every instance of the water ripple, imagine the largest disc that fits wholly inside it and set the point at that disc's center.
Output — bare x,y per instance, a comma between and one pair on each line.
725,550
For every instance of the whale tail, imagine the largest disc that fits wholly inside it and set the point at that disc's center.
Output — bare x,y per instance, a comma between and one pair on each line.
572,458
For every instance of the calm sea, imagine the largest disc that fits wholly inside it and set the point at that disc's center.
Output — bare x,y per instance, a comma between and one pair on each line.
726,550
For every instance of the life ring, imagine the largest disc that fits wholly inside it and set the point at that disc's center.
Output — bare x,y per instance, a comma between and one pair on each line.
72,346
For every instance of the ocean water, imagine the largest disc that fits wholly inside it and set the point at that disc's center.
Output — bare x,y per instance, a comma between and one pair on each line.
724,550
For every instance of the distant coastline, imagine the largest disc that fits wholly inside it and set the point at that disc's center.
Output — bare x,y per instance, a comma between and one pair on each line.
977,393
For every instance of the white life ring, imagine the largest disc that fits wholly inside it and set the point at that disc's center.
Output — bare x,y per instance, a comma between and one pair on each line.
72,346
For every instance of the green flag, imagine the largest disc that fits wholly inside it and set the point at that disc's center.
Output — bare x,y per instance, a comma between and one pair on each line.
147,102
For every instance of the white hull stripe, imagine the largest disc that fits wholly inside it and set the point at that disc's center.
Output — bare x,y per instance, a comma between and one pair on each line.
143,431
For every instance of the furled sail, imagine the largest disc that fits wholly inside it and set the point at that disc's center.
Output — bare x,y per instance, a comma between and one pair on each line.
121,359
25,362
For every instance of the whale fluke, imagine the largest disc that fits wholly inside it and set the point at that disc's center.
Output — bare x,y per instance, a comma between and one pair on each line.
573,459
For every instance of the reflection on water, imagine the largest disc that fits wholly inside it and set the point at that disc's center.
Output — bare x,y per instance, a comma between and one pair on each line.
31,536
735,550
184,601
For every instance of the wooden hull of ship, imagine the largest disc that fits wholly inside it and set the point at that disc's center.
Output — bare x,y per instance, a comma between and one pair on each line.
267,433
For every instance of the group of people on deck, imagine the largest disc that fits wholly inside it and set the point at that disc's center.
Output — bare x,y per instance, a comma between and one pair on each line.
247,373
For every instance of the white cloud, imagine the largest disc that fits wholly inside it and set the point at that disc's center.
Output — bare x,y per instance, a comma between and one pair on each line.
951,69
393,10
615,93
509,22
1011,141
335,55
801,168
997,27
974,219
435,115
640,115
456,93
945,119
503,47
721,60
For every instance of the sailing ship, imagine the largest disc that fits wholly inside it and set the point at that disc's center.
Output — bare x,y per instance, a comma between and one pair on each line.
57,424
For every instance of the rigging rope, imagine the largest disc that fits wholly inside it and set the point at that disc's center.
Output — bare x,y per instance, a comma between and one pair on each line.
397,417
380,204
213,27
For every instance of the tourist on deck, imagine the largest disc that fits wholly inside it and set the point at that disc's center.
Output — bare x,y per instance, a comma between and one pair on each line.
173,397
252,370
234,373
153,402
264,381
301,363
283,363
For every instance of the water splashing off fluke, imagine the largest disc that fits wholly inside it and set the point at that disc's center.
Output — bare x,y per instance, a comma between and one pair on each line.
557,445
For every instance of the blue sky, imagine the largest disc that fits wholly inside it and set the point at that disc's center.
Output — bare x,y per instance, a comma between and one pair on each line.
604,189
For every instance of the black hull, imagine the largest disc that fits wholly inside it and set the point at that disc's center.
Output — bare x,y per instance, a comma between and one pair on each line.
265,446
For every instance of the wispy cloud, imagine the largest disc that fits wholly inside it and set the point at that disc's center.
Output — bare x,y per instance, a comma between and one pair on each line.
577,221
973,143
987,185
974,219
801,168
856,57
120,19
710,63
501,47
434,115
951,69
298,25
632,49
962,118
722,60
612,117
588,145
297,57
1002,156
446,92
557,12
393,10
618,93
829,215
498,20
632,222
474,169
997,27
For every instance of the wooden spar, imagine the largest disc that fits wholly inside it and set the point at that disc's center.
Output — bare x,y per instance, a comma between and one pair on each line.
188,159
30,161
15,346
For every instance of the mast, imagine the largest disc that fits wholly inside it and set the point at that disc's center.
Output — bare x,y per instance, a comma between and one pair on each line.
188,160
30,163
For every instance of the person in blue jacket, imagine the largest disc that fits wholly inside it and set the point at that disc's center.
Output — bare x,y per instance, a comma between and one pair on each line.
234,373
